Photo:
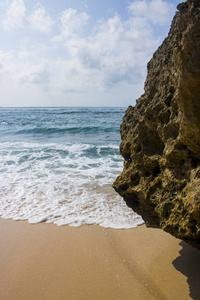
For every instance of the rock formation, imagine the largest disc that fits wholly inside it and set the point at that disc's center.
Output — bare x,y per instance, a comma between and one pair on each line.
161,134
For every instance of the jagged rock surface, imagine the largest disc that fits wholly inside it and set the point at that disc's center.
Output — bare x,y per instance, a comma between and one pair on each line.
161,134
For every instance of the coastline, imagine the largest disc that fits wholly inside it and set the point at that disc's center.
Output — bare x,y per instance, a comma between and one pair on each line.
45,261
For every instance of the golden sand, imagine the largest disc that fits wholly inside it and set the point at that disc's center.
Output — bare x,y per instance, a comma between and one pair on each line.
44,261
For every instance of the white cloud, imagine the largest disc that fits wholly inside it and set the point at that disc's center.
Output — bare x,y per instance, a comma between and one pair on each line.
32,53
116,52
40,20
71,23
106,63
40,77
17,17
157,11
5,65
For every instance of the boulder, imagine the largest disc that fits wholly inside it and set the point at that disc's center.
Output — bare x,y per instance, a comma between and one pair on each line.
161,134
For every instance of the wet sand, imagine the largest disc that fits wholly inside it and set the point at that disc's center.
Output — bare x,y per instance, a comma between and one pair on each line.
45,261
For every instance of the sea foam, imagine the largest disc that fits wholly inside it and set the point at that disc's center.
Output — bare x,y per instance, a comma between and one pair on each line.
57,166
62,184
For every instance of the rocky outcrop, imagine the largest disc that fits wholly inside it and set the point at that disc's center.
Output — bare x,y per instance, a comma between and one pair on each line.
161,134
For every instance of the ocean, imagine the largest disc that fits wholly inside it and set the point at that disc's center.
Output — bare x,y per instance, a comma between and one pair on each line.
57,165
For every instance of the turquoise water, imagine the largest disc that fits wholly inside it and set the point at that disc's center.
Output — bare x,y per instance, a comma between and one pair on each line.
58,164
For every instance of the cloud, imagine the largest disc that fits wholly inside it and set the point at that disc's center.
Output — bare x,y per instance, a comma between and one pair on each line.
156,11
40,20
6,65
15,15
106,61
32,53
71,23
114,52
17,18
39,75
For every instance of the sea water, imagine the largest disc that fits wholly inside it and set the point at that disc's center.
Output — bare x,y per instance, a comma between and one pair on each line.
58,164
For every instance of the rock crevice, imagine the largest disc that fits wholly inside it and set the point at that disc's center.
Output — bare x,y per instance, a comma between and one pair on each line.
161,134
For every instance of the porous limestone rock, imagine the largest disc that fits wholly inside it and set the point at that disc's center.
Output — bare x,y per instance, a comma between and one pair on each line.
161,134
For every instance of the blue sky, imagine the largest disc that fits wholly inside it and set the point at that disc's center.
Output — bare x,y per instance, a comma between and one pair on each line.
78,53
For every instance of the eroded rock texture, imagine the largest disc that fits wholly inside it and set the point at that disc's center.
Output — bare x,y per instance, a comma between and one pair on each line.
161,134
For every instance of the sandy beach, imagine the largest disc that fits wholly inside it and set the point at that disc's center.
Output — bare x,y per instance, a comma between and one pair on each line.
45,261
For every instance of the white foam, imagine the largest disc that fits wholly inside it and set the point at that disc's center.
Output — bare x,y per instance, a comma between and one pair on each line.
60,184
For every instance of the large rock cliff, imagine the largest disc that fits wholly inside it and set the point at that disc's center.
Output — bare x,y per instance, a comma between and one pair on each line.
161,134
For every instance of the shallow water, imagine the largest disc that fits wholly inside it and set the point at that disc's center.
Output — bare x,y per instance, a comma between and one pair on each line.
58,164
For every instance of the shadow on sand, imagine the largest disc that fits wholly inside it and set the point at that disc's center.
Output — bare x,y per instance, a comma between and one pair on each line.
188,263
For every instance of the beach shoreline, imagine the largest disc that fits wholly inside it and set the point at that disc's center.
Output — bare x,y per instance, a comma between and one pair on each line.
45,261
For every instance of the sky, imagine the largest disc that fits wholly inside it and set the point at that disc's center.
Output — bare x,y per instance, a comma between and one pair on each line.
78,52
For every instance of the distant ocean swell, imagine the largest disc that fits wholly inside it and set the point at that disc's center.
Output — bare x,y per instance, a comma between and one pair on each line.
59,177
54,131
